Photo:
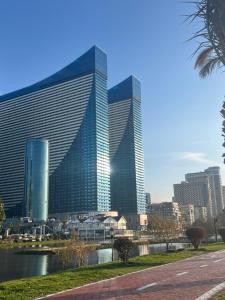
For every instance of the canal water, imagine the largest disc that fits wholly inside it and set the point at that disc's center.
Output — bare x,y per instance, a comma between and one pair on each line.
14,266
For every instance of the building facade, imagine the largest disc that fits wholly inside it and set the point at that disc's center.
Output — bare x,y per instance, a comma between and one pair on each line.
126,148
223,192
200,213
202,178
70,109
148,202
215,190
212,178
36,179
167,210
188,214
195,193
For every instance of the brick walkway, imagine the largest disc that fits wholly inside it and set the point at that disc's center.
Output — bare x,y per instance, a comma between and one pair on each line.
187,279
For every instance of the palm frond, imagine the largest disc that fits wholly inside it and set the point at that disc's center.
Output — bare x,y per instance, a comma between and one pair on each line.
203,57
209,66
211,13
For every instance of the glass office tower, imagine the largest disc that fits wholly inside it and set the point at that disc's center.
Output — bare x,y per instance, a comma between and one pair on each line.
70,110
36,179
126,148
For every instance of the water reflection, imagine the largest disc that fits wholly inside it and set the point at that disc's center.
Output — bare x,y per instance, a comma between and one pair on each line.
19,266
100,256
14,266
143,250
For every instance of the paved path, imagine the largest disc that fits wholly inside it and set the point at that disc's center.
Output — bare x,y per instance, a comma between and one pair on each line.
186,279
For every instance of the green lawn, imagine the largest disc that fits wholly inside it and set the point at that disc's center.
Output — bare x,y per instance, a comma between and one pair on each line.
220,296
212,247
31,288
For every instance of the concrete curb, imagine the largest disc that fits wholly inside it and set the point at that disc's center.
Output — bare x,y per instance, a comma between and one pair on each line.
212,292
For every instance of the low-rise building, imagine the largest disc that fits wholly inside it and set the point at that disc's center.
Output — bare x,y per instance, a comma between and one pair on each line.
93,227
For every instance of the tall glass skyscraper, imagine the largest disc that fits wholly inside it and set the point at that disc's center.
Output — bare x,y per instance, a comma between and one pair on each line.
126,148
36,179
70,110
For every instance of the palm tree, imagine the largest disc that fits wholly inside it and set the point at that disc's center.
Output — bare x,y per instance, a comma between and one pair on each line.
212,47
207,61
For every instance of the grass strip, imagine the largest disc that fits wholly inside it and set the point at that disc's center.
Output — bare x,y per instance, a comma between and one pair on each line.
220,296
38,286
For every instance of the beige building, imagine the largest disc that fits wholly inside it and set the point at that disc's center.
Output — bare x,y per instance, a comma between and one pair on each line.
136,222
223,192
202,189
200,213
188,214
195,192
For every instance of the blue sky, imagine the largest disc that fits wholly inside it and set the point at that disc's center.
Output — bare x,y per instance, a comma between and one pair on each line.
181,119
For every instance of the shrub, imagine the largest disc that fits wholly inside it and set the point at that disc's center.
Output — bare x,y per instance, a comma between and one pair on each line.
222,233
123,247
195,235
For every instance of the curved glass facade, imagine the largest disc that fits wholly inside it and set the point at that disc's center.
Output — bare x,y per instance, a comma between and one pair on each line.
36,179
69,109
126,148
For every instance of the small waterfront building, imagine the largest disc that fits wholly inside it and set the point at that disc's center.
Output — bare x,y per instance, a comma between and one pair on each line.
95,227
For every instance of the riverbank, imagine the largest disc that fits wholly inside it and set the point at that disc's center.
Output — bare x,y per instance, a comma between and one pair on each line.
50,247
51,243
34,287
55,244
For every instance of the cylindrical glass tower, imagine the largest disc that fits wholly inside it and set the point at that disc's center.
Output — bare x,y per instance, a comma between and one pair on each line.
36,179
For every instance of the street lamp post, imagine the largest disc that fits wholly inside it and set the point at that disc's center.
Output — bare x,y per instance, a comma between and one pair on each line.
112,239
215,228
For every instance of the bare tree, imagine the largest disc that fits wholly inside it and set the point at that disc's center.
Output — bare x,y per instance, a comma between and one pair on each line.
163,229
75,252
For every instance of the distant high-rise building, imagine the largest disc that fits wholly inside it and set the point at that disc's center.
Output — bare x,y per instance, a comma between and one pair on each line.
126,149
202,177
196,193
215,189
212,178
148,202
70,109
36,179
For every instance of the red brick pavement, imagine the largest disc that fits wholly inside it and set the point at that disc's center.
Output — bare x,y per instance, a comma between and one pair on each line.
187,279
